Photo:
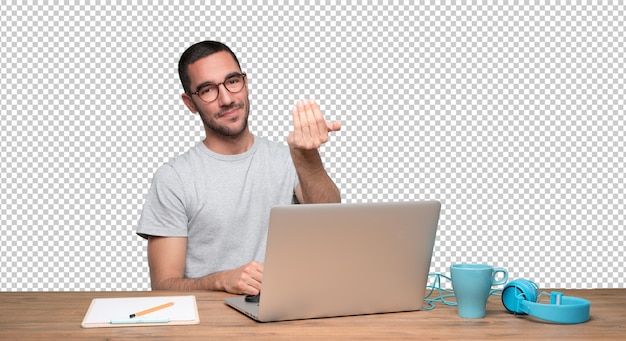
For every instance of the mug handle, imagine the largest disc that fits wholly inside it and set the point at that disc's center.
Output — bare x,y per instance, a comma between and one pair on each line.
504,278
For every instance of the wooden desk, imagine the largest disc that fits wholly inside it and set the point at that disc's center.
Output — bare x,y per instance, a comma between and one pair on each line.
57,316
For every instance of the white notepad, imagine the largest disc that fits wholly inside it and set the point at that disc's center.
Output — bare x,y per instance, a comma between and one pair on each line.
115,312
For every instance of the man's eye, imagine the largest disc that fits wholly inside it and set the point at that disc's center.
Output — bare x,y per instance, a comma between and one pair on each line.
206,90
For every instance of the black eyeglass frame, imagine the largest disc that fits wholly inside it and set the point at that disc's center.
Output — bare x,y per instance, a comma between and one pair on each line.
242,75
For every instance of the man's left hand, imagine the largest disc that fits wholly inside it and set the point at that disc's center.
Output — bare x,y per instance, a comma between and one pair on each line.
310,129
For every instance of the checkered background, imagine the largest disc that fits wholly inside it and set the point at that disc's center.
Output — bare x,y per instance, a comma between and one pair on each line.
511,115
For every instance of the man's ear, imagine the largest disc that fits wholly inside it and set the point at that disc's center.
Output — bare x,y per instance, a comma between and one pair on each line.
189,102
247,82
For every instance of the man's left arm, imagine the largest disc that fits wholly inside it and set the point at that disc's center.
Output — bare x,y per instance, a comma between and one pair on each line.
310,132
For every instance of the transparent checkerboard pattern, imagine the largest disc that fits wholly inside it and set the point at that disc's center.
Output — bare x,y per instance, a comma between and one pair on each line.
511,115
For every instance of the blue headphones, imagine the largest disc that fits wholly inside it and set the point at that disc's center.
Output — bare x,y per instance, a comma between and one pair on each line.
520,297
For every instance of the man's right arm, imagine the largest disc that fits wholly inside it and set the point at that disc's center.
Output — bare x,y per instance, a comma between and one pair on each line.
166,258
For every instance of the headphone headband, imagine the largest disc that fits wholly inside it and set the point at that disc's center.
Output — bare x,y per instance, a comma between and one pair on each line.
520,296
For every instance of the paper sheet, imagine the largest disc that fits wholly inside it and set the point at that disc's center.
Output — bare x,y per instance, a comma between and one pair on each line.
103,310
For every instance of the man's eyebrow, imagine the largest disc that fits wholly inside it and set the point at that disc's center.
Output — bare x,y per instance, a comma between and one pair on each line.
203,84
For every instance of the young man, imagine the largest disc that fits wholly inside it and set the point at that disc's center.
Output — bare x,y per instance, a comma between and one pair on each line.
207,211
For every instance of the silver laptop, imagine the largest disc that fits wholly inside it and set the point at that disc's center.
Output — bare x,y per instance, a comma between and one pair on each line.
328,260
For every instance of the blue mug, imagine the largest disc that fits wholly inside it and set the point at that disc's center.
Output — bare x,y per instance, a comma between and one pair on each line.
471,284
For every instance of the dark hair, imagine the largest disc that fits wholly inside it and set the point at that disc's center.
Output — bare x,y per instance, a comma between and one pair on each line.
196,52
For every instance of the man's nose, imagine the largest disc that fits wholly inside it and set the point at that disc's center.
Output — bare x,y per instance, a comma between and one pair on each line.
224,96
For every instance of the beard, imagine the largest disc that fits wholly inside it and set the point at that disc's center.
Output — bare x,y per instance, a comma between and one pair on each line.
211,124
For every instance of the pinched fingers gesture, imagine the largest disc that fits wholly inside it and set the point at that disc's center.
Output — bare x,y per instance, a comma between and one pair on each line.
310,129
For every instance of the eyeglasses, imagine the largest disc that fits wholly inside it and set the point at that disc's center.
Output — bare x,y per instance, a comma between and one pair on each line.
209,93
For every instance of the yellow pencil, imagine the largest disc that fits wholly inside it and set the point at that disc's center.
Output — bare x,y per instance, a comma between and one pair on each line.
147,311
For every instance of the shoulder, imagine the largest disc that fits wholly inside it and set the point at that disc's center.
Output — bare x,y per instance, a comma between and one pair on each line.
180,164
195,152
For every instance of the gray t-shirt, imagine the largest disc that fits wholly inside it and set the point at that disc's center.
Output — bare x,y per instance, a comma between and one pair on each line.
221,203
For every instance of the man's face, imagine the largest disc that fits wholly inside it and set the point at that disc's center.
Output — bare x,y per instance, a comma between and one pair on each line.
228,114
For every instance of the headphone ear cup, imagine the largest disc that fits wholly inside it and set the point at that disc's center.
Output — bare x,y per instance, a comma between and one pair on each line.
516,292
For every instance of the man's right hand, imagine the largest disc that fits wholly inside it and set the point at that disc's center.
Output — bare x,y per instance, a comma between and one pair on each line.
245,279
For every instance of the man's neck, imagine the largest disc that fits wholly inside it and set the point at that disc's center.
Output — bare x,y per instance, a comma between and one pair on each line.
229,145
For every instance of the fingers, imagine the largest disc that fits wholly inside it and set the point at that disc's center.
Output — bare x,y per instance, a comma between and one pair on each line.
333,125
319,131
252,276
307,132
310,127
255,271
246,279
300,125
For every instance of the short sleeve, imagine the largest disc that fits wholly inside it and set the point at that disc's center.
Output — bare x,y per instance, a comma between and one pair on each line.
164,209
